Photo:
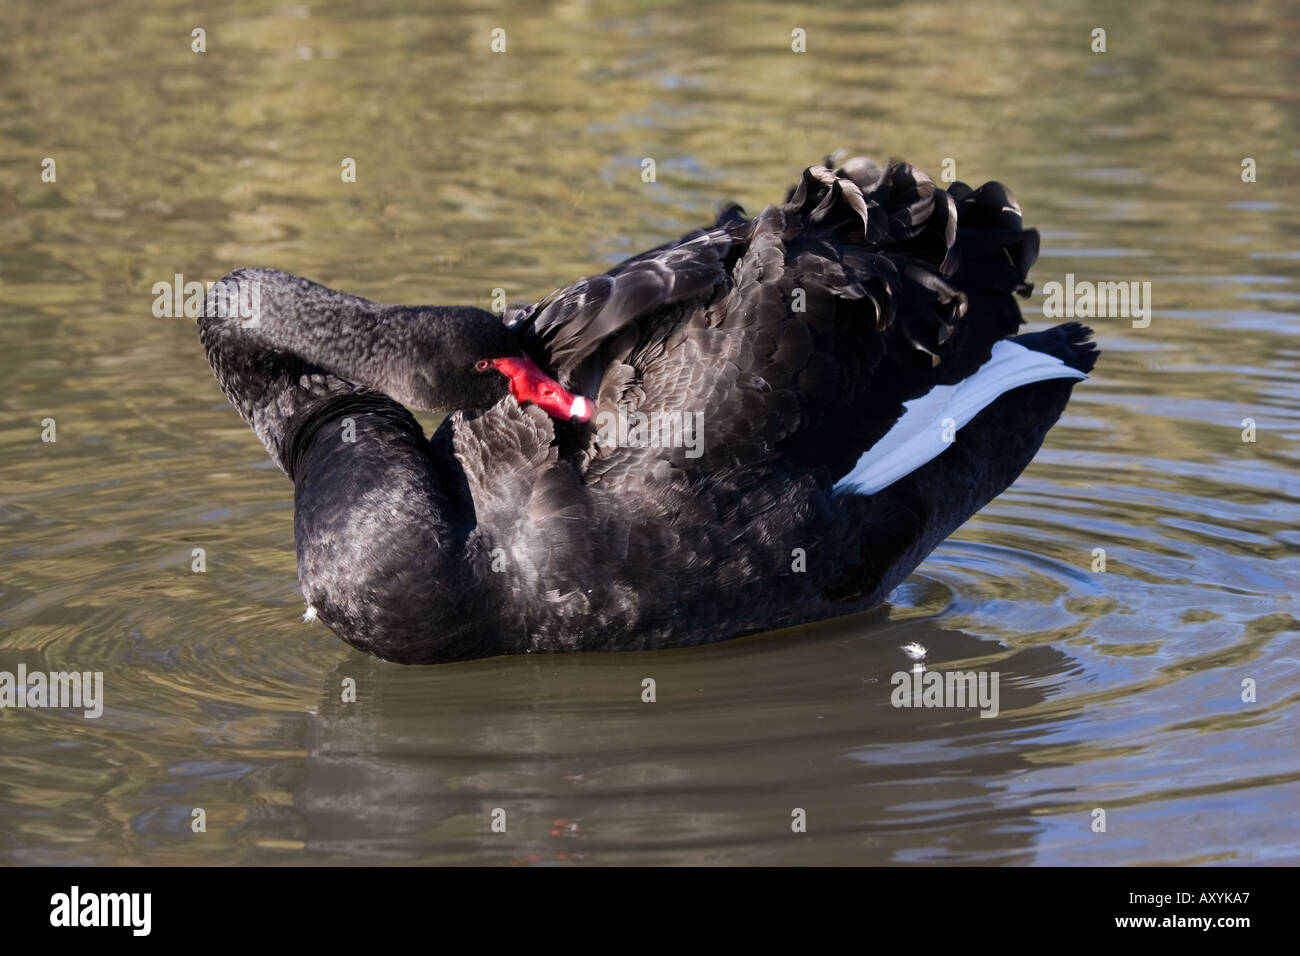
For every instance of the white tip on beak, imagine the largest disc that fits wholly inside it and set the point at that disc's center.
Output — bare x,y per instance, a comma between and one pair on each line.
580,409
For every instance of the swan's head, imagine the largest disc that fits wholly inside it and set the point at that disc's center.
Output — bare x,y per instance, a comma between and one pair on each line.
463,358
432,358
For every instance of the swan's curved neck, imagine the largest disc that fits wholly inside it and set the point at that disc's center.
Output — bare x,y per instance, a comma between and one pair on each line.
382,520
382,525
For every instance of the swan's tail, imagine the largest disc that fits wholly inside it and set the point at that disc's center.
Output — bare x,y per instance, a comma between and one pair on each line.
909,516
930,423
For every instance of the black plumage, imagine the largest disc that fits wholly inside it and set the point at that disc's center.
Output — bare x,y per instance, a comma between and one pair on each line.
795,336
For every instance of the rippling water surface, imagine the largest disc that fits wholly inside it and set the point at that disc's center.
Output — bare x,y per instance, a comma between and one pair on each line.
1120,690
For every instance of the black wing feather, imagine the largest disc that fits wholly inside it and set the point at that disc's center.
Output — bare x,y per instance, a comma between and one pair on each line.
797,334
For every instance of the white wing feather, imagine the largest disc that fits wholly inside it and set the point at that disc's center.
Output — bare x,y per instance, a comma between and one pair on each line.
917,436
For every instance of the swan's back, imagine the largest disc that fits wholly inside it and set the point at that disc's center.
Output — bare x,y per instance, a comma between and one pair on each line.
792,339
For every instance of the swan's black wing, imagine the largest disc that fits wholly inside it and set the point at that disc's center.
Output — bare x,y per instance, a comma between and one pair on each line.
795,335
573,327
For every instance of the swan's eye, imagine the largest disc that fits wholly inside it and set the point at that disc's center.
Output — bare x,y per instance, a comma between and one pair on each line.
483,365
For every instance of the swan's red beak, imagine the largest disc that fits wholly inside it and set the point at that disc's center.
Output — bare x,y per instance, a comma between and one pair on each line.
528,383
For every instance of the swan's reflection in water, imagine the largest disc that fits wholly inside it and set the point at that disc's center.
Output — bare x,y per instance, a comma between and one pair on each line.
739,738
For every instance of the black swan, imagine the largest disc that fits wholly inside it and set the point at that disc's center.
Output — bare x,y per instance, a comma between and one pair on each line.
767,422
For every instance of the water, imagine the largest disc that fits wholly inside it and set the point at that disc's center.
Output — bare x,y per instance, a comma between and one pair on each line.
1120,690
